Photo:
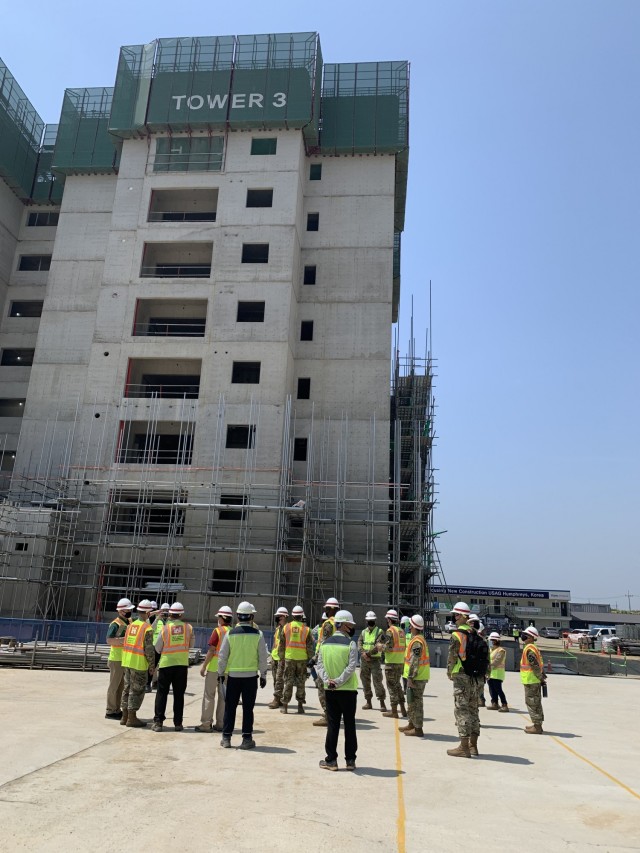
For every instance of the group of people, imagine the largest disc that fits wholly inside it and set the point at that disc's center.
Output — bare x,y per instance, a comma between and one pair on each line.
237,661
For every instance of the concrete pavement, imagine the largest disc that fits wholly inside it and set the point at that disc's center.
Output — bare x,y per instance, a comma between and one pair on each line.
71,779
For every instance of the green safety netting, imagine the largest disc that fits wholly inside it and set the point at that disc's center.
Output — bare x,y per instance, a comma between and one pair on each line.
84,143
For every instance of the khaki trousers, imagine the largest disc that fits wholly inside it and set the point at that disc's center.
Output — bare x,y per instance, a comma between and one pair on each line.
212,701
116,683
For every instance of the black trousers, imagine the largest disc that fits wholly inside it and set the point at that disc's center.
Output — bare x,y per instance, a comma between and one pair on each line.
236,689
176,677
496,691
341,705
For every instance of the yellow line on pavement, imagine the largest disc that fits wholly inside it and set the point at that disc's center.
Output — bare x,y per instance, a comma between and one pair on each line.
599,769
400,823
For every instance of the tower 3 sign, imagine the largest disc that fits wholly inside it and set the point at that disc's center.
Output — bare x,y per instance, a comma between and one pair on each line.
238,101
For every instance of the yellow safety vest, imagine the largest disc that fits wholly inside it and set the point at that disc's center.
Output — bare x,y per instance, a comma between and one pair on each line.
498,658
133,656
115,652
212,666
396,655
335,657
176,641
369,638
331,621
527,675
275,654
295,636
424,668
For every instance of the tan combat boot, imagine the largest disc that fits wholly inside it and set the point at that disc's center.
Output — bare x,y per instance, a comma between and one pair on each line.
275,703
125,717
535,729
367,706
504,709
392,713
493,707
403,710
414,733
406,728
284,709
133,722
461,751
473,744
320,722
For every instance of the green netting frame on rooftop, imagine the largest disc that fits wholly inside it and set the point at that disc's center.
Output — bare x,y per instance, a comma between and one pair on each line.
199,84
21,130
84,144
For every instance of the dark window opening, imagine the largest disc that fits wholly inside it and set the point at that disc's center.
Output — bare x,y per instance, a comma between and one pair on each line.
315,172
157,449
313,221
26,308
264,145
299,449
43,219
154,514
224,581
246,372
34,263
259,198
22,546
17,357
232,514
240,437
10,408
304,388
309,275
306,330
255,253
250,312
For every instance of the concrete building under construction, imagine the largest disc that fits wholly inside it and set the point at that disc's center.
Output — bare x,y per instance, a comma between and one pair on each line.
201,399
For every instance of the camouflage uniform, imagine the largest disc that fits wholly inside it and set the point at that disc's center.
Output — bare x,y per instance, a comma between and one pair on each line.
393,671
533,692
295,671
135,680
371,669
277,666
465,694
415,705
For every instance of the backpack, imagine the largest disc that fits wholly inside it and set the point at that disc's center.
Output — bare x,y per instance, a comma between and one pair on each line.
476,663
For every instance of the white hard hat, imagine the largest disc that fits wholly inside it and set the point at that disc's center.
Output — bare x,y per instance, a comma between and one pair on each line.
371,615
332,602
532,631
344,616
245,608
494,635
404,619
154,604
473,617
391,614
225,610
298,610
480,627
124,604
144,606
281,611
165,606
462,608
324,615
417,621
176,607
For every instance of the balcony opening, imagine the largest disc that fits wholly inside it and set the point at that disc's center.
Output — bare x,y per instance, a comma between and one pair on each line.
250,312
170,318
255,253
157,443
240,436
183,205
149,513
163,378
245,372
17,357
176,260
189,154
224,581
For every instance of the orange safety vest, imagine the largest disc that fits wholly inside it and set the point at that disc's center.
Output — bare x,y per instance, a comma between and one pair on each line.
462,654
396,653
295,636
527,675
424,668
221,630
176,642
133,656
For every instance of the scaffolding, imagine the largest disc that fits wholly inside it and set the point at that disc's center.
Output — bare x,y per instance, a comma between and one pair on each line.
92,516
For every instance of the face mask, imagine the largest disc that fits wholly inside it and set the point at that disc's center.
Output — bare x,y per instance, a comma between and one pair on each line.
371,623
351,631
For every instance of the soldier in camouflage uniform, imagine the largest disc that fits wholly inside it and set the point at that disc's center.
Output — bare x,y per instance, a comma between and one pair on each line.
327,629
465,688
370,663
296,648
417,671
138,659
393,644
532,676
277,663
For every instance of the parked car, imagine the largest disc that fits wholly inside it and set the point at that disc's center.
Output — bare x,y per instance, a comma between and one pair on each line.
449,627
550,633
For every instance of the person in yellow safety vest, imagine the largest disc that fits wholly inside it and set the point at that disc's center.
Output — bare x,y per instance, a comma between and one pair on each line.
277,663
173,644
115,639
393,643
296,648
337,662
327,630
532,675
209,671
497,674
370,663
241,662
162,616
153,618
465,688
417,671
138,659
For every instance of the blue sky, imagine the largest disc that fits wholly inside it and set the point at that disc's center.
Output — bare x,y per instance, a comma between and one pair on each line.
523,212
